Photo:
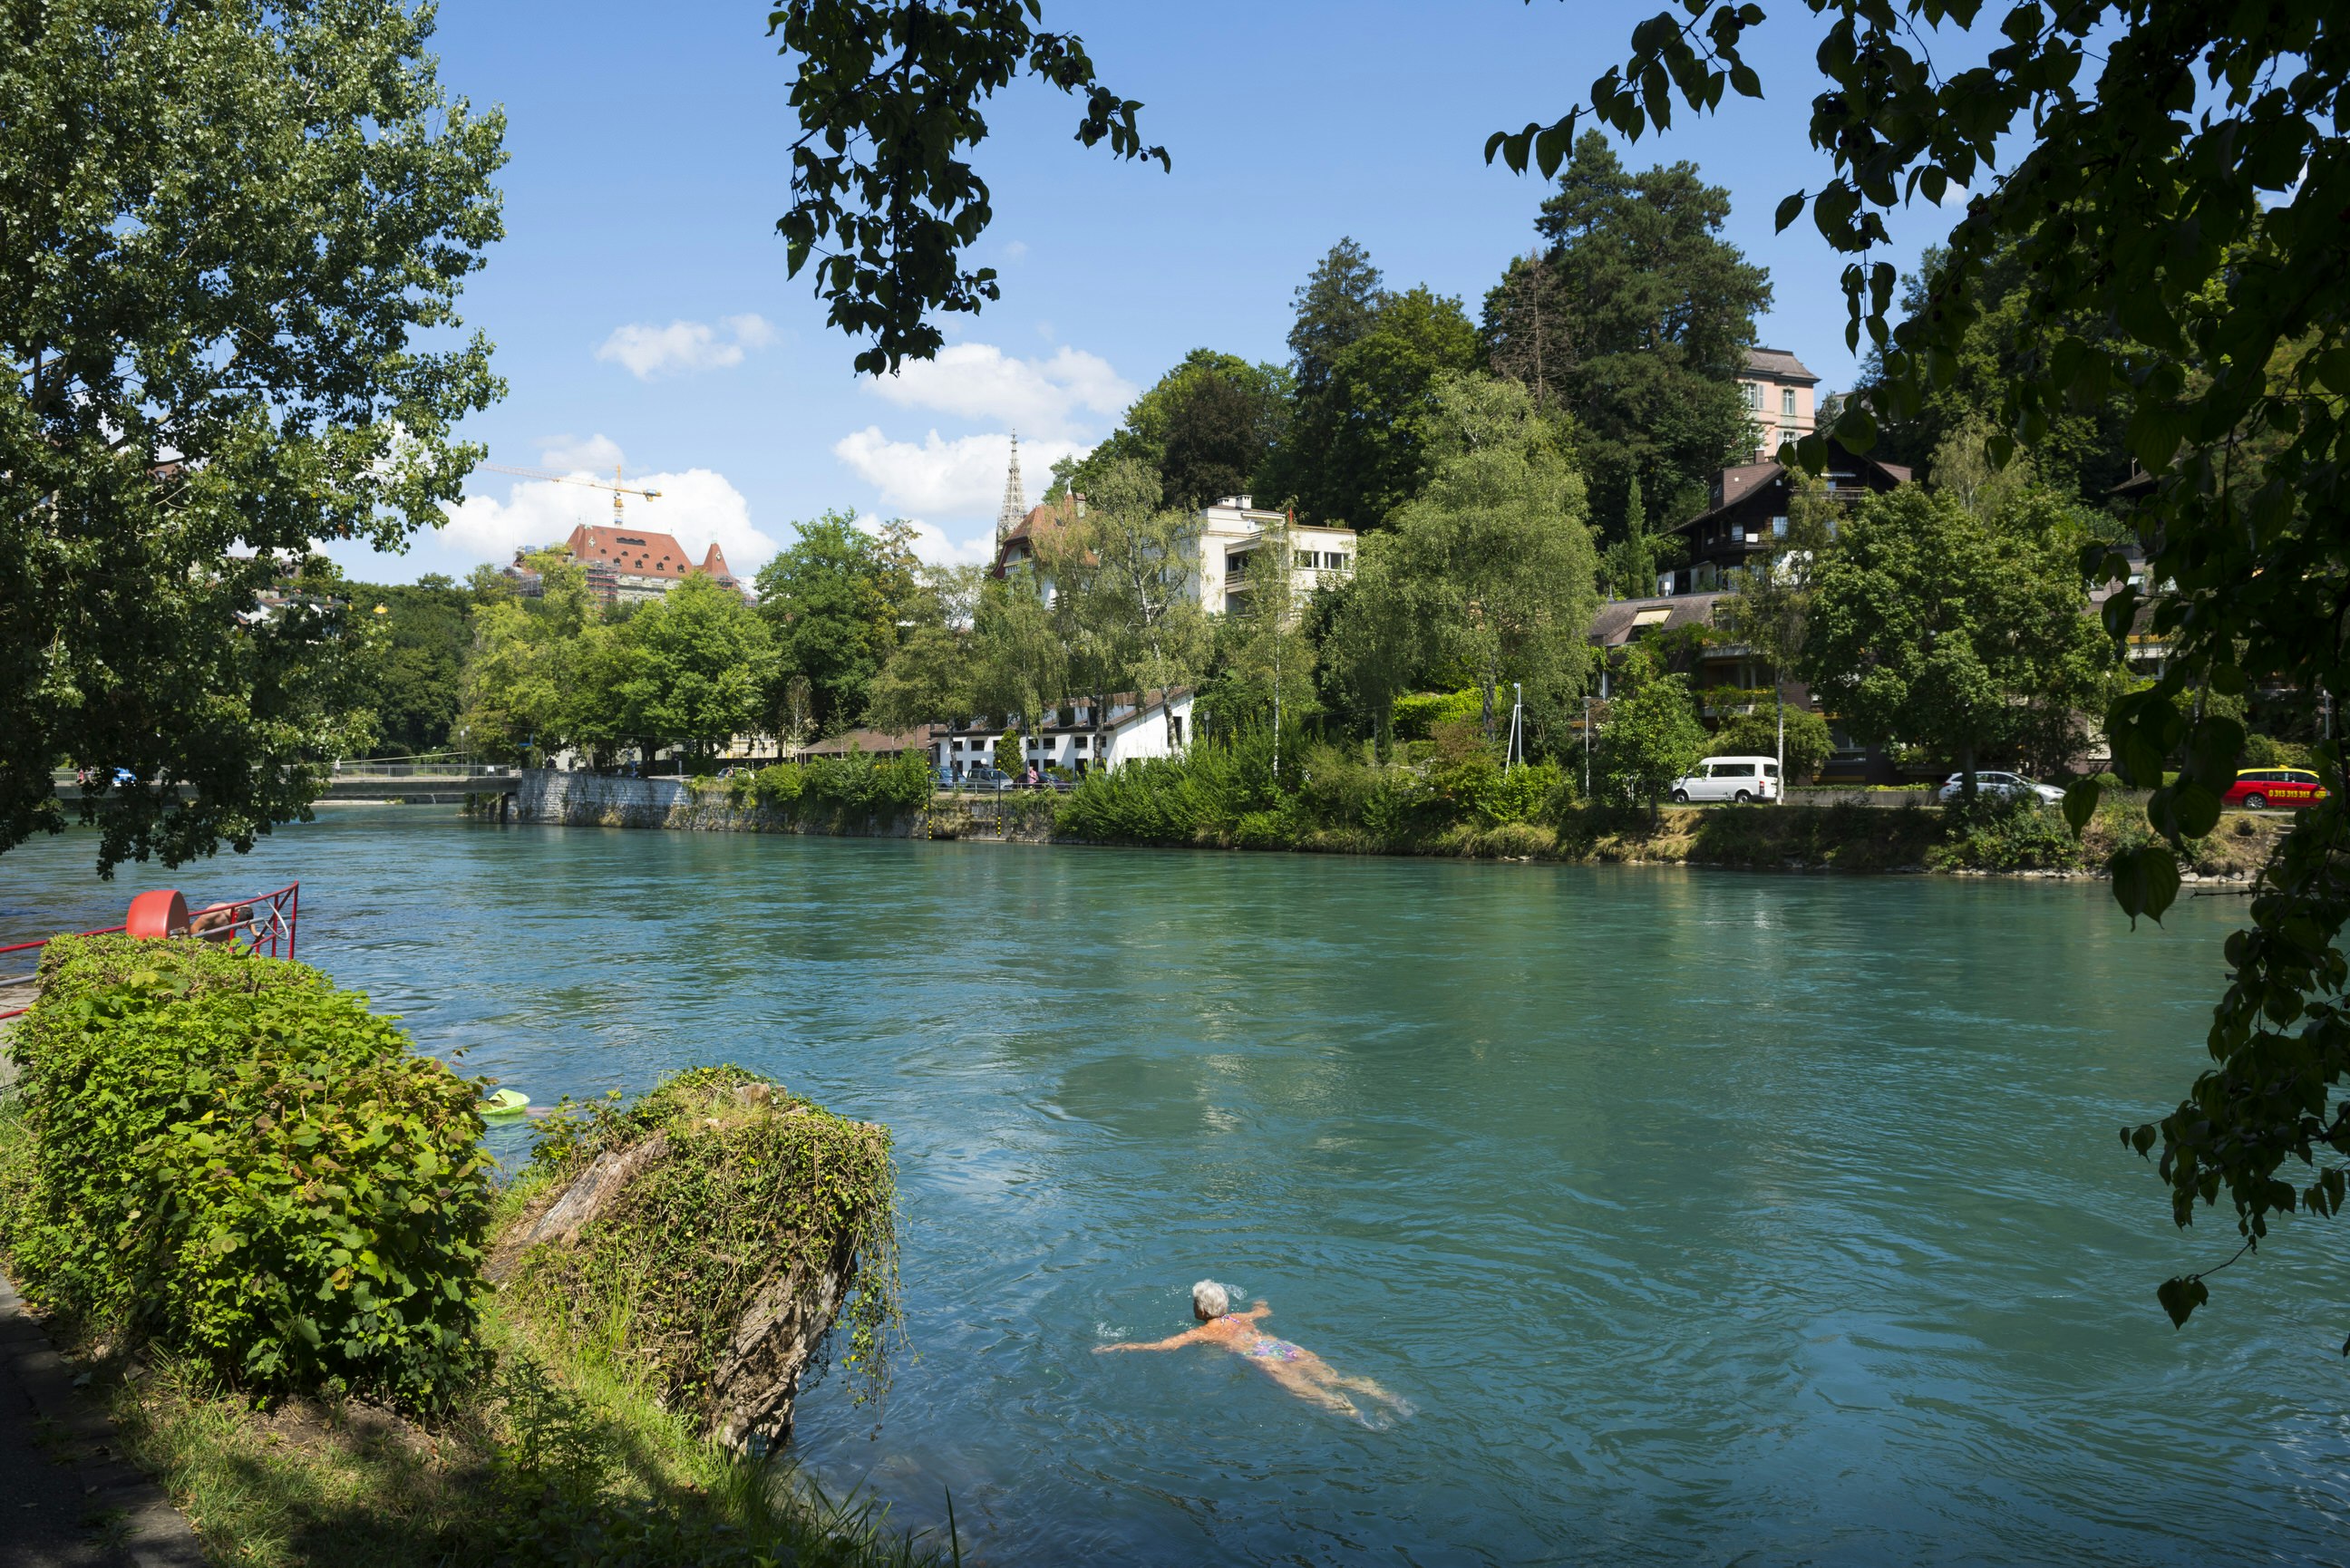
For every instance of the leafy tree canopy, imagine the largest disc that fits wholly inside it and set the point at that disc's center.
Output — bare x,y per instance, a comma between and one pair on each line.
229,226
1929,625
833,601
411,664
1357,449
2085,448
1334,307
883,200
1497,551
1634,319
690,669
1205,431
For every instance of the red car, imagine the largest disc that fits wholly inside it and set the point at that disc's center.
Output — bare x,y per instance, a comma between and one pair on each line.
2260,788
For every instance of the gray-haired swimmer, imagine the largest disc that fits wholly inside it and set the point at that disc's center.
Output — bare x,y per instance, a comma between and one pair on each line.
1292,1366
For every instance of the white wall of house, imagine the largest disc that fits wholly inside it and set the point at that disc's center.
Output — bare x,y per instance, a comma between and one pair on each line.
1230,529
1134,736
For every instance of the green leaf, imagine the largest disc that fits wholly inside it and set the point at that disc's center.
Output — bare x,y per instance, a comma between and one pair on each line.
1789,211
2081,804
2180,1297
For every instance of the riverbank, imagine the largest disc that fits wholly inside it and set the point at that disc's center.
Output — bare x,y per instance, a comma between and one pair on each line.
1848,835
417,1407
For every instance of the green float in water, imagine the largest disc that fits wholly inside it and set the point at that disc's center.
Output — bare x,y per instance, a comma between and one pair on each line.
505,1103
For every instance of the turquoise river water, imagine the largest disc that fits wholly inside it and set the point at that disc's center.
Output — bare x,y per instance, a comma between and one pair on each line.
1701,1217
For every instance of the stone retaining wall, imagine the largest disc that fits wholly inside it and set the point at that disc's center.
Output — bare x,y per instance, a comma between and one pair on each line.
593,800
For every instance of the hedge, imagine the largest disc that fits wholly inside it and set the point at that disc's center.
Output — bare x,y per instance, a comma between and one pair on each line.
239,1161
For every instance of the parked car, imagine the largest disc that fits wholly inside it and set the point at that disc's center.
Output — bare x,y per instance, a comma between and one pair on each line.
1739,779
980,776
1989,782
2257,789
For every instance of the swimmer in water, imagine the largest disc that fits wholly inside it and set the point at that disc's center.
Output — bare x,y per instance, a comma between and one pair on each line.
1292,1366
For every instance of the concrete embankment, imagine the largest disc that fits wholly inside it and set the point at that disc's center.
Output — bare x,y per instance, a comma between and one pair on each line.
592,800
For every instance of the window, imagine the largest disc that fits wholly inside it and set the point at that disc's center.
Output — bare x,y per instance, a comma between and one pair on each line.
1778,528
1733,770
1656,616
1307,560
1770,769
1787,403
1081,743
1753,390
1179,729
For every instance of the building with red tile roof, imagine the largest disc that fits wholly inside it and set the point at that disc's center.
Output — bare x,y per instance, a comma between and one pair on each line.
633,565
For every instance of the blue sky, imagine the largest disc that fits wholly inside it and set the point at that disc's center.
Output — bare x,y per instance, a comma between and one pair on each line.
640,310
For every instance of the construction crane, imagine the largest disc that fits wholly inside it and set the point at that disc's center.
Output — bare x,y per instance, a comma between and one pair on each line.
616,487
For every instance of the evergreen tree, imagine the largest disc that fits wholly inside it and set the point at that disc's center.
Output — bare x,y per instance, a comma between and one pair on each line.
1634,318
1334,307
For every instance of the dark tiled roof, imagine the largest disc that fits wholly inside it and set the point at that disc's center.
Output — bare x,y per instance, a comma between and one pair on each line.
1779,364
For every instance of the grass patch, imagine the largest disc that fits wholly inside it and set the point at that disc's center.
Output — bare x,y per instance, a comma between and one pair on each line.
564,1459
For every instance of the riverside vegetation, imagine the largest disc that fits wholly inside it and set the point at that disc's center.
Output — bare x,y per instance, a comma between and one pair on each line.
1452,796
263,1222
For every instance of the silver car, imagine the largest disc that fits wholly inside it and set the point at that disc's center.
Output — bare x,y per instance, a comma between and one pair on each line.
1989,782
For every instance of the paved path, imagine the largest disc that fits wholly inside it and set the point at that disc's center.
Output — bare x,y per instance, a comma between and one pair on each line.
67,1498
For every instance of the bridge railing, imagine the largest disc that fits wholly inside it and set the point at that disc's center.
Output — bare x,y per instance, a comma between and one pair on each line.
265,922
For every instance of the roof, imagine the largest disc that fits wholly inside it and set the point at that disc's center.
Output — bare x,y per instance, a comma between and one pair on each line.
1039,524
870,742
1779,364
642,553
1619,622
1740,483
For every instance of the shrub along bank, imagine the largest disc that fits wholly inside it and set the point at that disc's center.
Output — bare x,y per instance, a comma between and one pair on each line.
1463,802
832,792
262,1221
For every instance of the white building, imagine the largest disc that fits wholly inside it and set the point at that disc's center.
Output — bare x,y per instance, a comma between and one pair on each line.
1224,537
1229,533
1134,727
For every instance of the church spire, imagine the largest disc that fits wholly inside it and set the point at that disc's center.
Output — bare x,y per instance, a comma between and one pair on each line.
1015,499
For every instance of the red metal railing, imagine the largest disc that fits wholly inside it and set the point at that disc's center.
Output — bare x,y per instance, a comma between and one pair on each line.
265,922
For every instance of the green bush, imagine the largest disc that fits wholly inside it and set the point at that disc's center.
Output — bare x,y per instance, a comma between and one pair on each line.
758,1184
1415,717
853,784
244,1163
2005,833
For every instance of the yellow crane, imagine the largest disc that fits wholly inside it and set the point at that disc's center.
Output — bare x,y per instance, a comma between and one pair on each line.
615,486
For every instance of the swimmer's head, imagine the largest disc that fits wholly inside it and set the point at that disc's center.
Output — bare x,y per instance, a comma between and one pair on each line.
1210,1299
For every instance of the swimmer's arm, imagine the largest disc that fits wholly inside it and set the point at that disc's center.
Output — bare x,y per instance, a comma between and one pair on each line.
1254,1313
1192,1337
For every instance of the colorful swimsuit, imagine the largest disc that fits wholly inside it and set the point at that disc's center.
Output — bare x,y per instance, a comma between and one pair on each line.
1268,1348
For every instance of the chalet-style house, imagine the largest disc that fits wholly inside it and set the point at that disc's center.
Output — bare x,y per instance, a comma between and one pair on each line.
1746,515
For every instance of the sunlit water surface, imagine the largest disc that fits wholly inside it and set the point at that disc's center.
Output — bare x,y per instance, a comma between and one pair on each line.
1703,1217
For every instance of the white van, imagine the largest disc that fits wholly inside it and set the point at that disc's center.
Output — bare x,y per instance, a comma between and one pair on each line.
1741,779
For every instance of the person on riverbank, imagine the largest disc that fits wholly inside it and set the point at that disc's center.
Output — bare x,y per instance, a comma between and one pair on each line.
1294,1366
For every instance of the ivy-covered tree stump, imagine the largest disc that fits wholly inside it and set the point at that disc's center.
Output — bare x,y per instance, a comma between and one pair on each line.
709,1237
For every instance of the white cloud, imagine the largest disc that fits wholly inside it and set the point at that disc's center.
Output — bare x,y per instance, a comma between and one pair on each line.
1014,249
956,479
651,352
980,381
751,332
932,543
599,453
698,505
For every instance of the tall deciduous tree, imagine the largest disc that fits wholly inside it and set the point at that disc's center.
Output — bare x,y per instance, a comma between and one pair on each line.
1207,430
1929,625
1123,571
1497,548
1634,318
410,673
1650,735
228,226
690,669
521,676
832,601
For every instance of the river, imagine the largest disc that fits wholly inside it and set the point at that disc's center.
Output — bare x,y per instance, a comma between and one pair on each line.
1701,1217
